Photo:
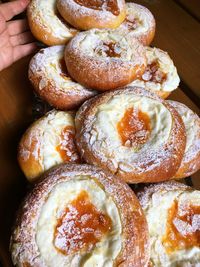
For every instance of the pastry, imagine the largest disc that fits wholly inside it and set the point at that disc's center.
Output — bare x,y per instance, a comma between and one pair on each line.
173,215
132,133
51,81
89,14
191,160
47,142
104,60
160,76
139,23
46,24
79,215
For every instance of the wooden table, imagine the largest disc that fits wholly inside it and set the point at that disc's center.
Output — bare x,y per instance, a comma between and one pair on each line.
178,32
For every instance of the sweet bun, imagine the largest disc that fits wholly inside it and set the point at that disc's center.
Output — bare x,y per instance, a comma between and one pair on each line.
51,81
87,14
79,215
46,24
139,23
132,133
104,60
173,216
160,76
47,142
191,160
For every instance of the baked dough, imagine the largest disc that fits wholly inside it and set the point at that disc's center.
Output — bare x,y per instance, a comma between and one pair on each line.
46,24
104,60
132,133
161,75
47,142
173,215
139,23
191,160
80,216
89,14
51,81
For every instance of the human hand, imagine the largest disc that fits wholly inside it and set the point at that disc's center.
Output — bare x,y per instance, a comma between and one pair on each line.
16,41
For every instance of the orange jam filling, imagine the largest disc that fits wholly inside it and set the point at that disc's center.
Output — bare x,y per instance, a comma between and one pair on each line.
154,74
111,49
108,5
134,128
183,228
63,69
67,147
131,23
81,226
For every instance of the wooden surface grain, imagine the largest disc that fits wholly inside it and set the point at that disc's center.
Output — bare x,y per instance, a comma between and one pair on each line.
177,32
191,6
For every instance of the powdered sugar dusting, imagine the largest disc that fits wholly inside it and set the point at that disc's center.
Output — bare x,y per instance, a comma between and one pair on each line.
43,13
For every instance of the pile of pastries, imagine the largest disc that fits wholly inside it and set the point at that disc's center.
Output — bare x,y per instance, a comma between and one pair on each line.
110,126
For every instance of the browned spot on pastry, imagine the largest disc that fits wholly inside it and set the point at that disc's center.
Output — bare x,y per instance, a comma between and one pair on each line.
109,5
81,226
153,73
111,49
67,147
26,264
183,227
134,128
131,23
63,68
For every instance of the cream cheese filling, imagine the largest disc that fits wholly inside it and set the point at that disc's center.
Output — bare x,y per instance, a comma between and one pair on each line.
158,208
52,127
104,252
104,134
47,18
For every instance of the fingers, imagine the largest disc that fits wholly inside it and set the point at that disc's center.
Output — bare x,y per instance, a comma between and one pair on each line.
22,38
9,10
17,26
23,50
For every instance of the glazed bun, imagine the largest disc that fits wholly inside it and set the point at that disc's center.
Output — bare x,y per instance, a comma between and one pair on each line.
104,60
46,24
161,75
80,216
47,142
132,133
139,23
191,160
51,81
89,14
173,215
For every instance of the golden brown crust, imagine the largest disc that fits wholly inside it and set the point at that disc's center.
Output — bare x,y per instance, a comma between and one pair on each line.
191,160
135,246
104,73
168,163
53,84
87,18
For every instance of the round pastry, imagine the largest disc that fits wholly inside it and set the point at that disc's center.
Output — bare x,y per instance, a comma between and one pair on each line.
104,60
161,75
50,79
132,133
139,23
47,142
89,14
80,216
191,160
173,216
46,24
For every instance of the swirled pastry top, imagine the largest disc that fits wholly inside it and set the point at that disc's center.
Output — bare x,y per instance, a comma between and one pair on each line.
46,23
160,74
191,160
129,131
139,23
75,217
49,141
175,236
49,76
